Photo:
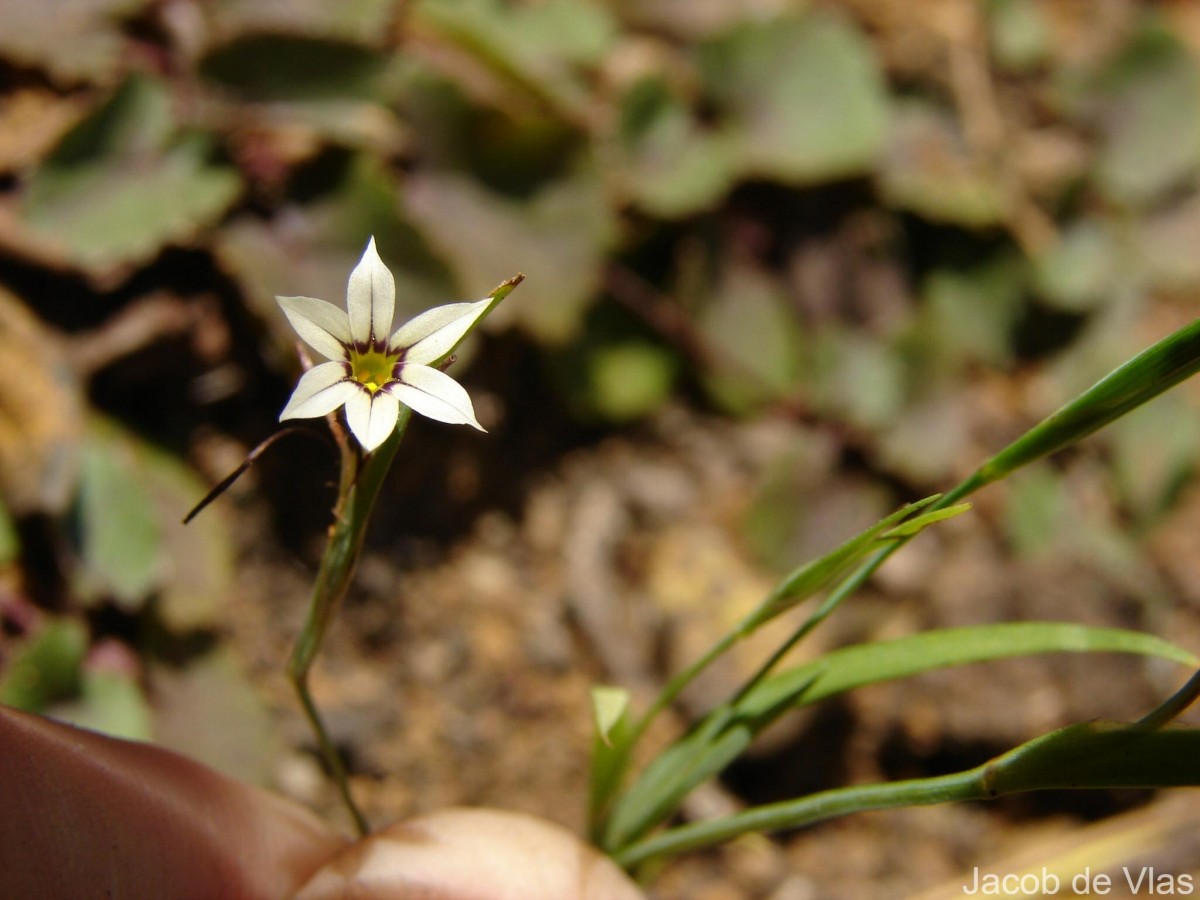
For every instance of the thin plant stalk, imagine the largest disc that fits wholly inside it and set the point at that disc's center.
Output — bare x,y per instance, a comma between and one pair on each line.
358,489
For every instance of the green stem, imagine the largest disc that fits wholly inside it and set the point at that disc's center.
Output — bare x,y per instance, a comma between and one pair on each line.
361,480
852,583
805,811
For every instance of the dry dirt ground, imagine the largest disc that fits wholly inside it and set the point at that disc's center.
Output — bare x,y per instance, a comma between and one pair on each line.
464,680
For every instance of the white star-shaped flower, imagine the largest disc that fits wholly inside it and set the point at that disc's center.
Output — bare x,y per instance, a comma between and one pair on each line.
371,373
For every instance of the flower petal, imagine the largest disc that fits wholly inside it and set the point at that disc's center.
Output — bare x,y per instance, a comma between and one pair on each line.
321,325
321,390
436,332
371,298
372,417
434,394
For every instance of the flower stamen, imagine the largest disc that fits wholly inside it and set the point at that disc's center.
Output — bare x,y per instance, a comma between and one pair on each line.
372,369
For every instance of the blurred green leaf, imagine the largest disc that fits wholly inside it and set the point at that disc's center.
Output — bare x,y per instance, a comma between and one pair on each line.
1083,269
119,533
539,48
801,95
1149,145
197,574
112,703
45,667
929,170
969,314
929,441
669,163
74,40
757,342
132,542
630,379
1155,449
1020,36
1036,513
803,500
684,21
272,68
558,237
857,378
1165,242
365,21
122,184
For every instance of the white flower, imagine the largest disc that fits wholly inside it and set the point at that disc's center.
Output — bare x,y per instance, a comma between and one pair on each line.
370,373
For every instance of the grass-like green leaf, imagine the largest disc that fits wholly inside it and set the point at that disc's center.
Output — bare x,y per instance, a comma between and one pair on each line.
862,664
1154,370
1098,755
1089,755
697,756
727,731
917,524
793,589
811,577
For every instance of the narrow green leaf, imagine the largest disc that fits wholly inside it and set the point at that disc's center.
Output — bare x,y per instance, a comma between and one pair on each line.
811,577
722,735
1098,755
863,664
704,752
1090,755
1154,370
918,524
610,715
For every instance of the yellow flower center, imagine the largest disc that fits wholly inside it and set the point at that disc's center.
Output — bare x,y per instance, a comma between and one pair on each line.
372,368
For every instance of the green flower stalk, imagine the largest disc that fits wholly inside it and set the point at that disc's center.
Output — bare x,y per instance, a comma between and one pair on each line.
379,379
